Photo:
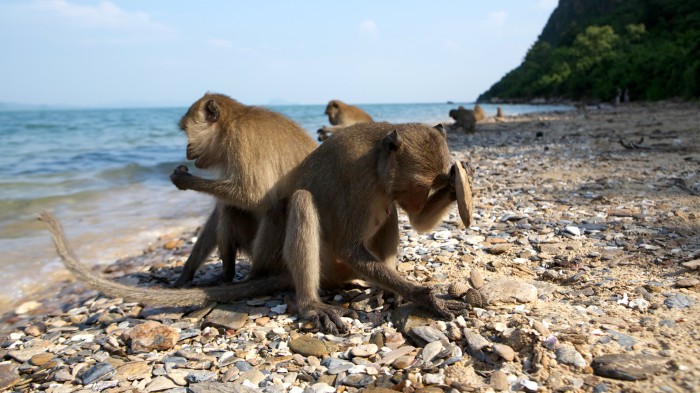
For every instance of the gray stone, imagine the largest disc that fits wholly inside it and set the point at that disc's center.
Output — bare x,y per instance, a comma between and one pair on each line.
162,313
508,291
677,300
198,376
428,333
475,341
336,366
243,366
226,317
395,354
431,350
97,372
569,355
160,383
357,380
626,367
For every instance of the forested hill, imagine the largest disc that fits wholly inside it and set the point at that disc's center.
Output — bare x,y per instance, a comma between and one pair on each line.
593,50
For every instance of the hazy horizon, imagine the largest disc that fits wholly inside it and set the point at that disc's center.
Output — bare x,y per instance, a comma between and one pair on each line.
119,54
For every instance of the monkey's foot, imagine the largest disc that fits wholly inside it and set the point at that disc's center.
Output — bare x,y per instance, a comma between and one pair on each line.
328,318
448,309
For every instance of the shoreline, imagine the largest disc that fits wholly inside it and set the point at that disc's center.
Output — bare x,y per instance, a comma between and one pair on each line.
574,204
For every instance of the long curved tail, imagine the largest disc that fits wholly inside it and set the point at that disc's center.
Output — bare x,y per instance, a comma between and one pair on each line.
160,296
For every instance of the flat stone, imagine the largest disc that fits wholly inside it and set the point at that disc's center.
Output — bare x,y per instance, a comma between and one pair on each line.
364,350
160,383
499,381
162,313
395,354
687,282
558,248
476,279
226,317
132,371
97,372
498,249
475,341
508,291
198,376
41,358
150,336
626,367
505,352
357,380
9,376
254,376
428,333
694,264
569,355
220,387
308,346
431,350
27,307
404,362
677,300
33,348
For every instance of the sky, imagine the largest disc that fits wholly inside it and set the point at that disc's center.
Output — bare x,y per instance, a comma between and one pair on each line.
168,53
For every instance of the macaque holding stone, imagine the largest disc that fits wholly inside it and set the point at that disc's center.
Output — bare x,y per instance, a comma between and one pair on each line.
253,149
341,115
338,223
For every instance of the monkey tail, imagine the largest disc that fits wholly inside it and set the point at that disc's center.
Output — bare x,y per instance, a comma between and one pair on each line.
163,297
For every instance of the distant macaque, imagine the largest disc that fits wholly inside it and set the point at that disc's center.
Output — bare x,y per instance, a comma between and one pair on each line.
341,115
253,149
499,113
479,113
340,222
464,119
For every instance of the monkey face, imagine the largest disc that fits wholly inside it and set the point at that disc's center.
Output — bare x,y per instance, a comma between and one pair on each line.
333,112
200,124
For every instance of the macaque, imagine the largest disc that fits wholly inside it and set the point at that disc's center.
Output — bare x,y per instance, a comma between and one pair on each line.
253,149
338,222
341,115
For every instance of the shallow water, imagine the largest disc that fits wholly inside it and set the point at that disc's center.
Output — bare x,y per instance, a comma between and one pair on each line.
105,174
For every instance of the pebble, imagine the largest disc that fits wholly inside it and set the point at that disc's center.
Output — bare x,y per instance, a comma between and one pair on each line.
220,387
150,336
505,352
628,367
226,317
357,380
364,350
499,381
687,282
475,341
431,350
41,358
395,354
308,346
27,307
97,372
476,279
428,333
159,384
569,355
508,291
678,300
9,375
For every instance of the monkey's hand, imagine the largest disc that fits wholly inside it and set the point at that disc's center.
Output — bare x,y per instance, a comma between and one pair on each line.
447,308
453,173
180,177
327,318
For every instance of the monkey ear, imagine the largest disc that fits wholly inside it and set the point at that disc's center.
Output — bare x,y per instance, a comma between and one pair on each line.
212,111
392,141
440,128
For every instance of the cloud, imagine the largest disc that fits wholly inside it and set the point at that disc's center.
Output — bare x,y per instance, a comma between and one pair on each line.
105,15
220,43
497,18
369,27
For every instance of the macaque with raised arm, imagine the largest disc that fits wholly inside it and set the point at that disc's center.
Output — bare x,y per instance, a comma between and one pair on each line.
253,150
339,223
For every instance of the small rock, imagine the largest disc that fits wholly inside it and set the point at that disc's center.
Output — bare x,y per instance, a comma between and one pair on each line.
476,279
132,371
9,376
35,330
364,350
694,264
151,335
34,347
498,249
504,351
677,300
27,307
336,366
41,358
173,244
431,350
254,376
428,333
160,383
628,367
687,282
198,376
574,230
404,362
508,291
97,372
357,380
475,341
433,379
395,354
220,387
226,317
569,355
499,381
308,346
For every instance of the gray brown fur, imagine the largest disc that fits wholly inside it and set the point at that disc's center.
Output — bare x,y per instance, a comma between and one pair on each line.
339,223
253,149
341,115
464,119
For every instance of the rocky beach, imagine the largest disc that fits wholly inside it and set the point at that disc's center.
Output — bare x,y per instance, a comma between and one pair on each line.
585,244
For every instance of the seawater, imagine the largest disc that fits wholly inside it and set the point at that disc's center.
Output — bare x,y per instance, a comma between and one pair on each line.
105,174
